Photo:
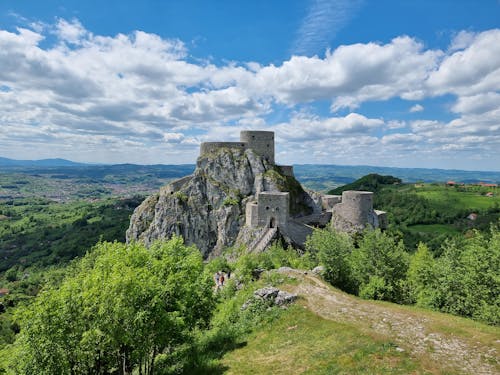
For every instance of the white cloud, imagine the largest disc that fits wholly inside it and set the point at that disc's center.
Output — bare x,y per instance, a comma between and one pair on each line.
304,127
471,70
322,22
72,32
99,96
416,108
479,103
350,74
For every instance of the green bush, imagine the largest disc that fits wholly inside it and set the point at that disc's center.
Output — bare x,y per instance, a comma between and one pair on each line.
333,250
231,201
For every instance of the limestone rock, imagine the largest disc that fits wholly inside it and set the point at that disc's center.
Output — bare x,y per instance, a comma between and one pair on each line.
208,208
318,270
271,296
284,298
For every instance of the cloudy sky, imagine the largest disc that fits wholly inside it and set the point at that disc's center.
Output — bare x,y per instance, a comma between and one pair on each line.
386,83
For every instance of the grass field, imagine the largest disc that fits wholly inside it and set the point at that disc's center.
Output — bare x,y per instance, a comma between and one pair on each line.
462,198
302,342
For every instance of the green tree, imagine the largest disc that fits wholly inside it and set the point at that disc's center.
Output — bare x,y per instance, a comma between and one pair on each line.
422,276
379,266
333,250
116,311
468,282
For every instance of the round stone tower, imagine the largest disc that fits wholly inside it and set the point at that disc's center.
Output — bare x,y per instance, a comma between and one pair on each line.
262,142
354,212
358,206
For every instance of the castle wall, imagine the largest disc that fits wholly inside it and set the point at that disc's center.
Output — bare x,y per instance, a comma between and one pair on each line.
273,209
252,214
328,201
176,185
262,142
381,218
287,170
208,147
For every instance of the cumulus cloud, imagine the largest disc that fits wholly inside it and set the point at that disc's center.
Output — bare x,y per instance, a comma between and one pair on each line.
416,108
473,69
135,95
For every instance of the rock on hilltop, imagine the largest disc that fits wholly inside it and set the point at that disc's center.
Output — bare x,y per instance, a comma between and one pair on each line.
208,207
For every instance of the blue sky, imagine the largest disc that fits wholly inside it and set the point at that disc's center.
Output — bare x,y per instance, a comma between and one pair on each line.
390,83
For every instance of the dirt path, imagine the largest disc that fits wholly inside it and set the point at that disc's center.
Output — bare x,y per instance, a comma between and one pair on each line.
423,335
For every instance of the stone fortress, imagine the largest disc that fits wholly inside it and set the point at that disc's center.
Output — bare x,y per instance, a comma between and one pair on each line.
238,195
270,210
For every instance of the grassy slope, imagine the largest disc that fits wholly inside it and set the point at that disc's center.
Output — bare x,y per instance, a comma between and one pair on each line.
330,332
471,198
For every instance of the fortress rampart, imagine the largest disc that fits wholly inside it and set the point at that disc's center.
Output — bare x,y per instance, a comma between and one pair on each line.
351,212
287,170
209,147
356,206
262,142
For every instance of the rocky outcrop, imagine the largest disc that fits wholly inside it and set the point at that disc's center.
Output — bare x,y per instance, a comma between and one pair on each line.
270,296
208,208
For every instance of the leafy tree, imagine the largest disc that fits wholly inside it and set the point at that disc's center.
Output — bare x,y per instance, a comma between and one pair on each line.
468,282
116,311
333,250
421,274
379,266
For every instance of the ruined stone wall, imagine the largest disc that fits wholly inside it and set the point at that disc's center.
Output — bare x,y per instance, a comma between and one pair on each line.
262,142
381,218
176,185
328,201
252,214
273,209
208,147
286,170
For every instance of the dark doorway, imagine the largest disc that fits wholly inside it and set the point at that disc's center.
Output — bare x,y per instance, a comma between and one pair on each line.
272,223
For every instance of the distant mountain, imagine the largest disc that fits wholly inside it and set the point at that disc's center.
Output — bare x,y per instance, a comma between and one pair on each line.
339,175
5,162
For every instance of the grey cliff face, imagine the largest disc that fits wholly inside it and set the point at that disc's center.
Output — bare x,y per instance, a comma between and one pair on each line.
208,207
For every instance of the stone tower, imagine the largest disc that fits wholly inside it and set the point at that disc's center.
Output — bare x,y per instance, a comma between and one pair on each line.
355,212
271,210
262,142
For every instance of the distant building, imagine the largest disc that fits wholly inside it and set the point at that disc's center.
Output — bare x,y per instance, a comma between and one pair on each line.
4,292
488,185
472,216
489,194
451,183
